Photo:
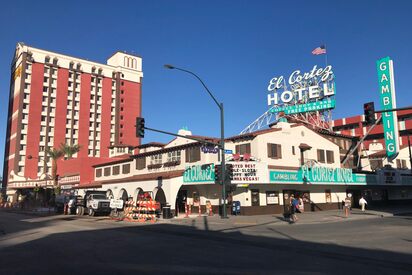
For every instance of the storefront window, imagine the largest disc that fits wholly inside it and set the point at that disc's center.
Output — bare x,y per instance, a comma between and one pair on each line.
328,196
272,198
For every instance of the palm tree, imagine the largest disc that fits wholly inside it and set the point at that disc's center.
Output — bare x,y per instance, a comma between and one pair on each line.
54,154
69,150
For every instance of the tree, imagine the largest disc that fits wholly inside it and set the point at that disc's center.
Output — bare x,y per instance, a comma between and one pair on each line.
69,150
54,154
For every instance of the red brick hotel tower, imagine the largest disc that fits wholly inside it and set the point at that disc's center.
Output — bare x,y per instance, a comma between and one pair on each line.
56,99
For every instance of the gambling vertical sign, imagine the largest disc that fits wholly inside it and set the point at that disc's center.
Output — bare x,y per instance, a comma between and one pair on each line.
388,101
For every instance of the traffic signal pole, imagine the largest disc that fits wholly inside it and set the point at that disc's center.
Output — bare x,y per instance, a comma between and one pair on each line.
370,129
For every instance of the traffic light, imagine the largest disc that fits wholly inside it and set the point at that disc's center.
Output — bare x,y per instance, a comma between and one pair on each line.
229,171
369,112
140,127
218,173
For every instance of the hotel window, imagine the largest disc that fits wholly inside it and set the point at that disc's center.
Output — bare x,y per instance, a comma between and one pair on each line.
22,147
141,163
25,106
43,118
26,86
24,116
401,164
321,156
98,173
46,79
156,159
274,151
116,170
42,138
126,169
21,169
293,150
45,89
47,59
46,70
26,96
243,149
192,154
107,171
329,157
174,156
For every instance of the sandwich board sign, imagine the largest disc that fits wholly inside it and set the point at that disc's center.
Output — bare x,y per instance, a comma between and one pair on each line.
388,101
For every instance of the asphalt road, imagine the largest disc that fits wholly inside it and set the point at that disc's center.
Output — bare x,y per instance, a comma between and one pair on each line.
85,245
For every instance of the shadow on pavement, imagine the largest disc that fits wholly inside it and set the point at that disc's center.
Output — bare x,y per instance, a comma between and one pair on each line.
171,249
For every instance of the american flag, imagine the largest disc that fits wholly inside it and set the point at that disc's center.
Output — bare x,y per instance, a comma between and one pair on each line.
319,50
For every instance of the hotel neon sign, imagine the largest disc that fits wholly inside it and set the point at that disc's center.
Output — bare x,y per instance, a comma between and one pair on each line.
302,92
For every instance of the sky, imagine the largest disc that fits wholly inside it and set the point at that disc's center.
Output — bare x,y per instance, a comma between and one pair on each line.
235,47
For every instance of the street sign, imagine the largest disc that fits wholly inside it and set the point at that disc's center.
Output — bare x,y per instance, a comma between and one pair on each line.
388,101
211,150
229,152
116,204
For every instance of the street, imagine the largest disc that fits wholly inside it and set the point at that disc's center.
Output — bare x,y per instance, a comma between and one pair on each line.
84,245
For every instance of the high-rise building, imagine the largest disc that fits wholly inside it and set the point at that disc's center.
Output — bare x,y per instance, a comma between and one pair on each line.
55,99
356,126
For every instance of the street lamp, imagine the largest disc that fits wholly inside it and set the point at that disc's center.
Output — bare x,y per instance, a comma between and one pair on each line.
222,135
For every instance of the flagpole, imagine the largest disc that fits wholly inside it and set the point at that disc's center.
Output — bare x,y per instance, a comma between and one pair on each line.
326,56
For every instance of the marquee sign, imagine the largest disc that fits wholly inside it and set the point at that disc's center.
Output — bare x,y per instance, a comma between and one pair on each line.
302,92
199,174
388,101
321,175
249,172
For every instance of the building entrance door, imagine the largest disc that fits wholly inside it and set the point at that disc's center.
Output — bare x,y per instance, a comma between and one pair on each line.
181,201
255,197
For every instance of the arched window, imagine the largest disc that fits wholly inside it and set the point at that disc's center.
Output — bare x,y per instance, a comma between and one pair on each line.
123,195
55,60
47,59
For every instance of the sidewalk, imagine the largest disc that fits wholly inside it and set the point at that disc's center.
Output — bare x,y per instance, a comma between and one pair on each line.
303,218
42,211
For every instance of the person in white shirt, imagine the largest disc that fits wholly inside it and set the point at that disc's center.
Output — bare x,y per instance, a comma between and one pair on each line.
363,203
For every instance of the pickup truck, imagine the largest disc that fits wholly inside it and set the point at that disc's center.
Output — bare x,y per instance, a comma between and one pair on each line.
93,202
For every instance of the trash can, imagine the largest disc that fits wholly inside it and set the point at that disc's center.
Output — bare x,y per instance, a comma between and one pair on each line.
167,214
236,208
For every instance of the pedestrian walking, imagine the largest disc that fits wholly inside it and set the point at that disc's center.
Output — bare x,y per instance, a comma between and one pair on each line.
363,203
294,204
301,205
348,204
